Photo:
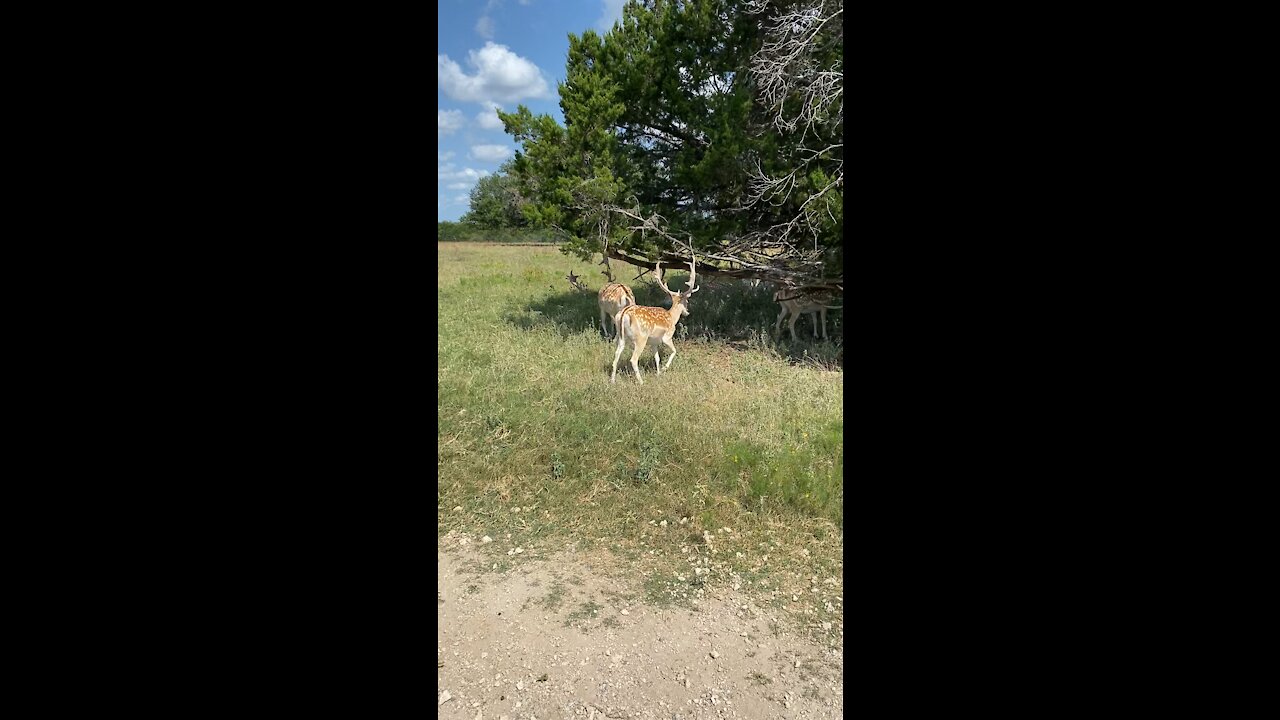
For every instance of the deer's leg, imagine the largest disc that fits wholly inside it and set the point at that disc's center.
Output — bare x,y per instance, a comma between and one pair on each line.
794,317
622,340
671,347
814,315
824,323
604,329
635,356
777,327
657,358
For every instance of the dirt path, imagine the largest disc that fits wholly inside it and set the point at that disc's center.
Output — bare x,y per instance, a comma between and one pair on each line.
556,638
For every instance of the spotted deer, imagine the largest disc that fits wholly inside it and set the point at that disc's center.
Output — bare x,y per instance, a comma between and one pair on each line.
613,298
795,301
640,324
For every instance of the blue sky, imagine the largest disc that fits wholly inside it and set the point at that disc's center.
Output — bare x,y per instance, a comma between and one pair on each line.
498,53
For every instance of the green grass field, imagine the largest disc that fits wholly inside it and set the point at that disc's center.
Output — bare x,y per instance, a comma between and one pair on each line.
742,432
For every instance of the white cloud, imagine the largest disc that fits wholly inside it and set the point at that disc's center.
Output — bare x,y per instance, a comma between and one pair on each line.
462,199
443,166
611,13
446,174
447,121
484,26
500,75
488,119
491,153
459,186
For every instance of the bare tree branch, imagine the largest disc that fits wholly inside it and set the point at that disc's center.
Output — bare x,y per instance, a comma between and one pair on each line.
793,268
783,68
803,98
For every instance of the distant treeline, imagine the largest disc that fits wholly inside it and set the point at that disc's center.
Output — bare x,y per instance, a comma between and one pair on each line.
469,232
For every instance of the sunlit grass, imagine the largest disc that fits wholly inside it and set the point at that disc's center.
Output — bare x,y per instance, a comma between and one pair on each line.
740,433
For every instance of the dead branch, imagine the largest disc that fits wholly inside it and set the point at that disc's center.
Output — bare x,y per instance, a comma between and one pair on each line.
792,269
804,98
576,282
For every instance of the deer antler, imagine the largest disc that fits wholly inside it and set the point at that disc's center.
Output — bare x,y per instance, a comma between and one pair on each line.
657,274
608,269
693,274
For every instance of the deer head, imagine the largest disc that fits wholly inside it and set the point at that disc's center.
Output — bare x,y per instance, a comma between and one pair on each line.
679,298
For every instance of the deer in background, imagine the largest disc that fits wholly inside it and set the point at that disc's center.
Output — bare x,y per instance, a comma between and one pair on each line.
795,301
614,296
640,324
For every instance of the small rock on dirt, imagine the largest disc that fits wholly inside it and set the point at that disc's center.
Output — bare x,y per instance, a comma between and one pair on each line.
715,654
444,698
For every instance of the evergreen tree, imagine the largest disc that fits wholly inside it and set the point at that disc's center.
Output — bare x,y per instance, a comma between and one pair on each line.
711,123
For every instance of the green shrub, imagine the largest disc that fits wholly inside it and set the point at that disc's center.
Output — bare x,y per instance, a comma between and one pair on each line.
447,231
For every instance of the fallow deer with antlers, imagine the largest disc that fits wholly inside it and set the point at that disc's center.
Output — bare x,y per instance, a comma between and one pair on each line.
640,324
